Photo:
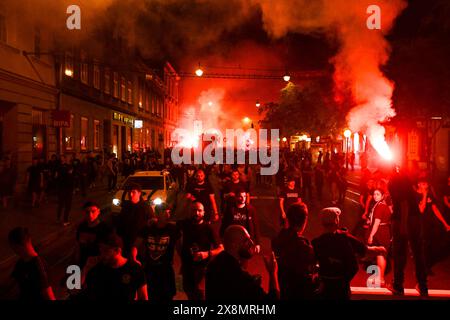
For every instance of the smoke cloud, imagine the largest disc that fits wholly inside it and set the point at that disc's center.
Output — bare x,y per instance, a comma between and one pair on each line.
362,53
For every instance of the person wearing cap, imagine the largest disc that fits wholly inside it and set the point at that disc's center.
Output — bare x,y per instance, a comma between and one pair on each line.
295,256
30,271
111,276
156,248
89,233
289,195
336,252
133,217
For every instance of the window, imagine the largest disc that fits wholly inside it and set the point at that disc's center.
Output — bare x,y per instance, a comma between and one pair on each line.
69,65
153,104
96,134
147,100
97,77
37,43
84,73
107,88
84,133
3,31
141,95
129,92
68,135
123,89
116,85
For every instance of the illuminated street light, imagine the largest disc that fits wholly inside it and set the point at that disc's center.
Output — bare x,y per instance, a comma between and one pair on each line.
199,71
258,104
347,133
284,139
246,120
68,72
286,77
210,103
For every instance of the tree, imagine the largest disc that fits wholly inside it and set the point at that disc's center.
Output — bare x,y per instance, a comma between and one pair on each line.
308,108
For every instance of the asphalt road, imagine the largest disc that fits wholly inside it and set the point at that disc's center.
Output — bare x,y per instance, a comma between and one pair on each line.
58,253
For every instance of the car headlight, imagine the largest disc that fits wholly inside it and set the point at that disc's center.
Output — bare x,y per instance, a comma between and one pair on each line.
116,202
157,201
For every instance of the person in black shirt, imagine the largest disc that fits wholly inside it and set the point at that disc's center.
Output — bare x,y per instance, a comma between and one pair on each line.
35,182
65,184
232,187
89,233
336,252
240,213
288,196
295,257
201,191
111,277
407,227
30,271
434,225
156,248
226,278
198,244
133,217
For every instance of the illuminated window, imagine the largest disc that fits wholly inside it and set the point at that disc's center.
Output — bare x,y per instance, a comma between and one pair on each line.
68,135
123,89
96,134
68,65
84,133
129,92
107,87
141,95
96,77
116,85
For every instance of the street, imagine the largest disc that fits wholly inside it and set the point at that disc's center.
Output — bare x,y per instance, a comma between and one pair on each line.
56,244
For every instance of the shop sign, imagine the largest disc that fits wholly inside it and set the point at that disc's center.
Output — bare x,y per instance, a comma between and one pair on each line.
123,118
138,124
61,118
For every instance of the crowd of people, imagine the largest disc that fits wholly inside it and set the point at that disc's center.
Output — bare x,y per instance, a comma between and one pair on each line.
133,256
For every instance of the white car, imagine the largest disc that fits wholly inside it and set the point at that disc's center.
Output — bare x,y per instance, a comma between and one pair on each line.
157,187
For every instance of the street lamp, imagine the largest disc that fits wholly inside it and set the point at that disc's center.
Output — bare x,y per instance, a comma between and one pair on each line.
246,120
286,77
199,71
258,104
347,135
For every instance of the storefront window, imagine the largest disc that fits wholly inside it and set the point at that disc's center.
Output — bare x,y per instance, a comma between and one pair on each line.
69,135
129,142
84,133
115,139
96,134
38,134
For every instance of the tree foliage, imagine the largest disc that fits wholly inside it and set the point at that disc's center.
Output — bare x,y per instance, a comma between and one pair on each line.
304,109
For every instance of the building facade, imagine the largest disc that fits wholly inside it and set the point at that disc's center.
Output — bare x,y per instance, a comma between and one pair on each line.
27,91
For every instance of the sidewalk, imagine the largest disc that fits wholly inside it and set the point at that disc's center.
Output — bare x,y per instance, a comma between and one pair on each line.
41,222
